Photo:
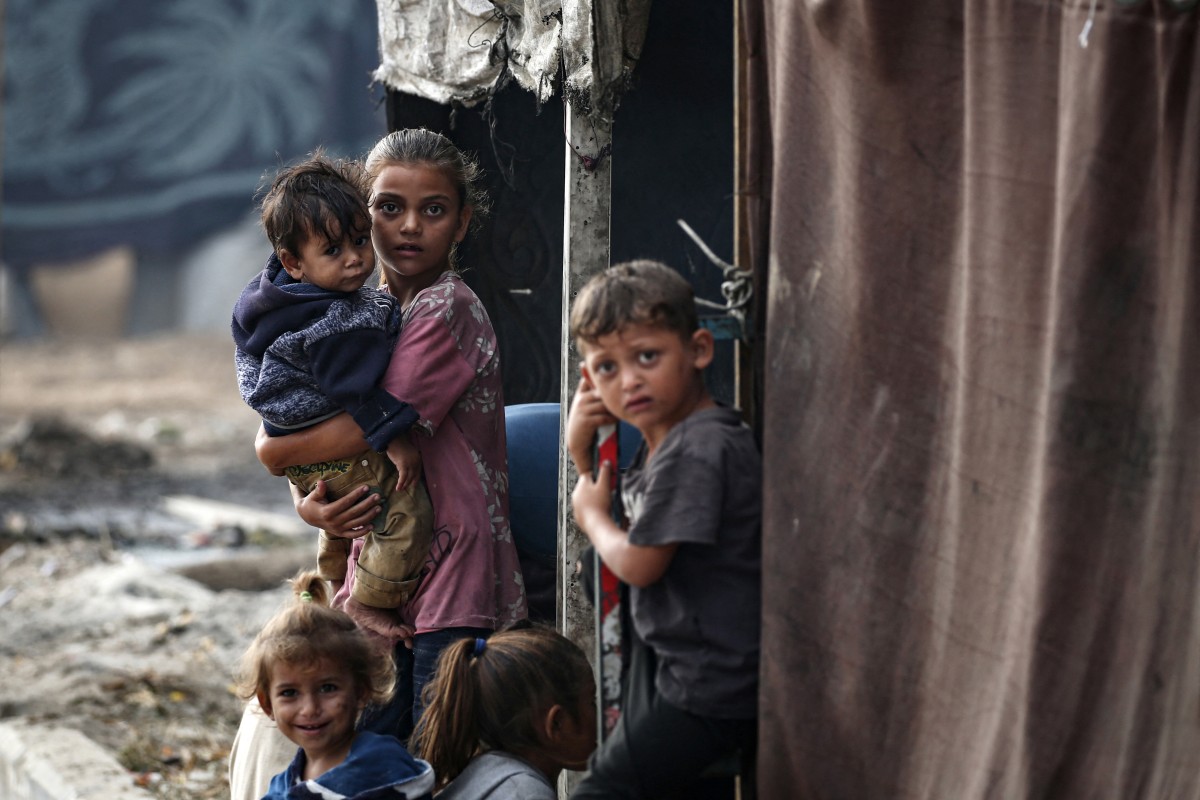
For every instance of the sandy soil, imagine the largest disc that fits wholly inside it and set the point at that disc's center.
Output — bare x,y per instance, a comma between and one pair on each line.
118,617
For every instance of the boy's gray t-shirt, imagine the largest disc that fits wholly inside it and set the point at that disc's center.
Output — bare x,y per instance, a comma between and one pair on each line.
702,490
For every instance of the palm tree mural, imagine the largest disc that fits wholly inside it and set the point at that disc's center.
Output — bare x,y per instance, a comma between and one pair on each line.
125,115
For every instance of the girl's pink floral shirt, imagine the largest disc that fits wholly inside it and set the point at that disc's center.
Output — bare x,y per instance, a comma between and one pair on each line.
447,365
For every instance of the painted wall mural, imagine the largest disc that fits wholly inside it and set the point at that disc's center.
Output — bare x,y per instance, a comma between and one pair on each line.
152,122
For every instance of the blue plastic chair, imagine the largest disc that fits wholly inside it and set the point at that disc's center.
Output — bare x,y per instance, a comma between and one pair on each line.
533,448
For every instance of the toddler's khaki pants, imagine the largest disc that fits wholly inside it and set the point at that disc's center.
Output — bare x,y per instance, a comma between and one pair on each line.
394,551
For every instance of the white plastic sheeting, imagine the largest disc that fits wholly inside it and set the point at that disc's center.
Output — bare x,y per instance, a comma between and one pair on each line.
455,50
438,50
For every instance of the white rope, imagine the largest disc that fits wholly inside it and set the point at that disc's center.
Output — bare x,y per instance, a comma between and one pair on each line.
1087,26
737,287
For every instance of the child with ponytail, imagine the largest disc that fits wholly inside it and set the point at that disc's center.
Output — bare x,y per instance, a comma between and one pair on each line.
506,714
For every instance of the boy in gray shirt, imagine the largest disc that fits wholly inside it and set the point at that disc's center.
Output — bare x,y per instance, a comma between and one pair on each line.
691,549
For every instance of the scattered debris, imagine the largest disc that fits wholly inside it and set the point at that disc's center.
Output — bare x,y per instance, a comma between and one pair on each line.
51,446
120,619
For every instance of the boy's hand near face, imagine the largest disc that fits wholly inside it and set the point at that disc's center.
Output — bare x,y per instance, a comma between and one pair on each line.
586,415
407,458
592,500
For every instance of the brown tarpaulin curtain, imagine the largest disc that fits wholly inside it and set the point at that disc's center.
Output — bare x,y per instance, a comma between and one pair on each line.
977,249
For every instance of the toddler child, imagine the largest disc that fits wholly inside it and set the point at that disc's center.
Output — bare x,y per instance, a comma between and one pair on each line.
313,670
313,341
691,549
506,714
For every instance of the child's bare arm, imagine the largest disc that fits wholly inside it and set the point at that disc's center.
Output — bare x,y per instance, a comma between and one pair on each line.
339,437
407,459
264,451
586,415
634,564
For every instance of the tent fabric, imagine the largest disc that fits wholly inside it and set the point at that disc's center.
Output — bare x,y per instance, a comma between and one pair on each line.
601,45
468,46
452,59
981,410
533,36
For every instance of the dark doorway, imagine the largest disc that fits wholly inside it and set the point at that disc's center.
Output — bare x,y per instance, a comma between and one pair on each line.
672,159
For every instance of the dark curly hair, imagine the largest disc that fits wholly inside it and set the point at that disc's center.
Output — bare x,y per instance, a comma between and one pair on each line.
636,292
319,196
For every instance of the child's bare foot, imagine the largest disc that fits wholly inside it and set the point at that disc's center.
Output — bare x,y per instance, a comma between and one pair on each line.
382,622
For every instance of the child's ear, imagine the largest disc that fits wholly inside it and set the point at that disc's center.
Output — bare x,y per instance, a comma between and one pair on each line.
703,348
464,221
552,724
291,264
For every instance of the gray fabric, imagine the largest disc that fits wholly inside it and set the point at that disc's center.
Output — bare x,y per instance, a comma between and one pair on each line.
499,776
702,491
601,44
981,408
465,45
453,61
533,39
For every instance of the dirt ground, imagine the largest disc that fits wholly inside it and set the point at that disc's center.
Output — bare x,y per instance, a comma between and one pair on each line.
118,617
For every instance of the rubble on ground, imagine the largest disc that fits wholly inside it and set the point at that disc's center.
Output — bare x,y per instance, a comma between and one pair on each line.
122,617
